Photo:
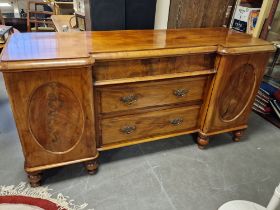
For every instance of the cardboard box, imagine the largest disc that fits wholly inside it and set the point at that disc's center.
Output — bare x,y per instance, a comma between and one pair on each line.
245,19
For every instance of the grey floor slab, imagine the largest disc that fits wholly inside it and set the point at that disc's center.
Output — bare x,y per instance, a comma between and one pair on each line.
170,174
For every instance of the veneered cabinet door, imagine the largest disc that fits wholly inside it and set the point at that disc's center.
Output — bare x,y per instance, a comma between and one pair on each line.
233,91
54,115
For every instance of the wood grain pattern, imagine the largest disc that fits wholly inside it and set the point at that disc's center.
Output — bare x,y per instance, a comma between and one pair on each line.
42,47
153,53
151,67
229,129
61,123
120,88
154,78
144,140
234,91
43,65
149,94
46,113
245,50
149,124
59,164
198,14
232,103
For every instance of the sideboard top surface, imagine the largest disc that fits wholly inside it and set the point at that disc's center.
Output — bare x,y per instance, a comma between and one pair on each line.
52,46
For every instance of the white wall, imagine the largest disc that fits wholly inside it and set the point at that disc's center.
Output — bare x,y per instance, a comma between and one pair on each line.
22,4
7,9
162,13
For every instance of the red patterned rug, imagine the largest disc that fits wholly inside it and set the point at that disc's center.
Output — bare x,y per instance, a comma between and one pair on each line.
23,197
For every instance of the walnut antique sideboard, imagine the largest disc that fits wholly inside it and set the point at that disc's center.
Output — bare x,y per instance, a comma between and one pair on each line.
75,94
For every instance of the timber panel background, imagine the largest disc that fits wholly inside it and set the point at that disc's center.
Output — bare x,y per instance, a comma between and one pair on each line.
198,14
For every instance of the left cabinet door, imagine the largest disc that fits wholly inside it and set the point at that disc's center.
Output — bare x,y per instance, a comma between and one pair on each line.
53,110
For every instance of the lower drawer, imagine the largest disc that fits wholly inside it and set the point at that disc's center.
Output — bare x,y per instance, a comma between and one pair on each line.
149,124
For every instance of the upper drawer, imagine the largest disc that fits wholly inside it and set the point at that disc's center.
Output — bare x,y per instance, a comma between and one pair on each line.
154,93
151,67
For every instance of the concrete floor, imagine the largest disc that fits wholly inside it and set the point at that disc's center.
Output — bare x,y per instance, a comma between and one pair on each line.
170,174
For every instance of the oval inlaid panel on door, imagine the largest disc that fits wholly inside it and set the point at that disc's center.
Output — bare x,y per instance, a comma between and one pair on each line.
237,93
56,117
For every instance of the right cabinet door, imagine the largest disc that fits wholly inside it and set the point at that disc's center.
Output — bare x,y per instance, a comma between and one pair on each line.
233,91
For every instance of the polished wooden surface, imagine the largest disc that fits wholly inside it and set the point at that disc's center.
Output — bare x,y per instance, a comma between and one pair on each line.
231,108
44,64
113,70
149,94
156,77
149,124
39,46
119,88
54,116
45,46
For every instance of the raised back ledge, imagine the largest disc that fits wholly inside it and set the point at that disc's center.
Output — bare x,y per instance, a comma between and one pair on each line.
141,54
36,65
138,54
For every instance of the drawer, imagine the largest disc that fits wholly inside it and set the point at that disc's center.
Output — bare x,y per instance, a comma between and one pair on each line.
147,94
120,69
150,124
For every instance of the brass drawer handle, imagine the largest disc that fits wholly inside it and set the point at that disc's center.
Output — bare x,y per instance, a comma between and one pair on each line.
176,121
180,92
128,129
128,100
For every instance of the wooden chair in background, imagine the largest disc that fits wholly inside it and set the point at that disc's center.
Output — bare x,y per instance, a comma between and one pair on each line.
2,21
40,19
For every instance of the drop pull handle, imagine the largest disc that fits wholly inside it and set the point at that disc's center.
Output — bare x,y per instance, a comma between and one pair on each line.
180,92
128,100
128,129
176,121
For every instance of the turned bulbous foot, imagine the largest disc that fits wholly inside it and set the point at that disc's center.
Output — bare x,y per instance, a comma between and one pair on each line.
237,135
202,141
92,167
35,179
